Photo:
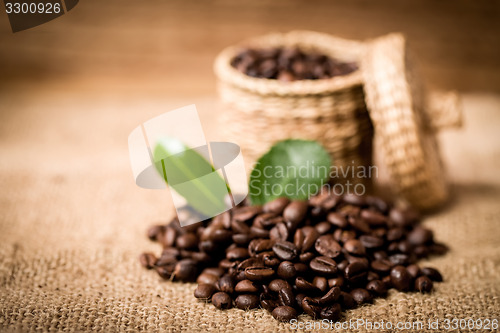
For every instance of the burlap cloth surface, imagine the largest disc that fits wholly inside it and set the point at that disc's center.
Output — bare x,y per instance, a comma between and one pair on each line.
72,225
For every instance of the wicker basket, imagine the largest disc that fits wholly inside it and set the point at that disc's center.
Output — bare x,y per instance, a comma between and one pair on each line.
258,112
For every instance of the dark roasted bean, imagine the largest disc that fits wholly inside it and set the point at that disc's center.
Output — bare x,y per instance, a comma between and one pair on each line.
321,283
336,282
207,278
347,300
225,284
187,241
276,206
399,259
155,231
286,270
287,297
419,236
395,234
305,286
323,227
414,271
204,291
327,246
279,232
324,266
371,242
285,250
423,284
237,253
331,312
432,274
377,287
356,272
284,313
258,273
295,211
185,270
337,220
246,286
401,279
372,276
330,297
354,199
300,268
373,218
355,247
310,237
147,260
277,284
361,296
359,224
247,301
309,307
246,213
222,300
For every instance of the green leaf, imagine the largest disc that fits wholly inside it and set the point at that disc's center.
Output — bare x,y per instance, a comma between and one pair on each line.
191,175
292,168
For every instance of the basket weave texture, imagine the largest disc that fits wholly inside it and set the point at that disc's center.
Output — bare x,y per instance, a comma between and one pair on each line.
258,112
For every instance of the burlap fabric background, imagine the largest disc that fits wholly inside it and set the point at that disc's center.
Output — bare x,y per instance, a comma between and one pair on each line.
72,225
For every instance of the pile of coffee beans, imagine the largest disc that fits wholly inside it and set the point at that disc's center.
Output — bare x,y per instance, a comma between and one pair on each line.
289,64
318,257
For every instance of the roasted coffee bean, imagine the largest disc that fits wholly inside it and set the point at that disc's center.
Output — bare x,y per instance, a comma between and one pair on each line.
432,274
246,286
265,221
347,235
250,262
258,273
310,307
222,236
242,239
185,270
155,231
285,250
330,297
347,300
401,279
204,291
286,270
228,264
438,248
336,282
371,242
405,247
403,217
279,232
373,218
269,304
361,296
276,206
295,211
337,220
399,259
237,253
423,284
395,234
260,245
259,232
355,247
354,199
305,286
324,266
147,260
372,276
419,236
377,287
321,283
387,281
222,300
323,227
240,227
331,312
301,268
277,284
342,265
225,284
327,246
246,213
187,241
207,278
247,301
166,271
284,313
377,203
414,271
421,251
359,224
287,297
351,259
167,237
310,237
356,272
298,239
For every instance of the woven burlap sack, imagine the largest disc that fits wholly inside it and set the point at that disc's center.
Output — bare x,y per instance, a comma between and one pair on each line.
258,112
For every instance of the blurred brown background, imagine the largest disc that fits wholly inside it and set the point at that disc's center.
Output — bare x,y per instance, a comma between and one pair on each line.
72,220
167,47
